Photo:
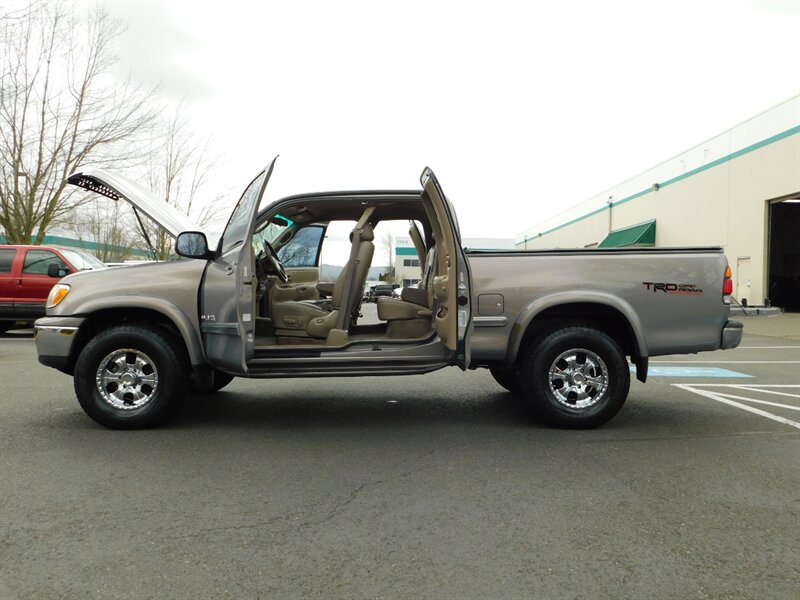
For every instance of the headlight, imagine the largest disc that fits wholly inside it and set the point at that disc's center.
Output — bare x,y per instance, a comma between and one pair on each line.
57,294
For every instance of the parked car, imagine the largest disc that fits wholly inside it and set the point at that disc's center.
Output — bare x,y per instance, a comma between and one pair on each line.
28,273
384,290
555,326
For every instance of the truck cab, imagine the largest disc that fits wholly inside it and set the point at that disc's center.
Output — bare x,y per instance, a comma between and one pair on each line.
250,304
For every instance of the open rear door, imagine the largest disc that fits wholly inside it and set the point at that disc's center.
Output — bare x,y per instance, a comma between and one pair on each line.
227,300
453,314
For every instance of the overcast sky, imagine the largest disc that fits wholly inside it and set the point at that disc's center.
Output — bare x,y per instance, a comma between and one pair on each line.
521,109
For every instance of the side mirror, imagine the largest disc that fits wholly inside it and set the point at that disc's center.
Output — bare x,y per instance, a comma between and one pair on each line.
192,244
54,270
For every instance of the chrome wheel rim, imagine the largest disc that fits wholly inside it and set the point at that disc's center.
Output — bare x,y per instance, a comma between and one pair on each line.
127,379
578,379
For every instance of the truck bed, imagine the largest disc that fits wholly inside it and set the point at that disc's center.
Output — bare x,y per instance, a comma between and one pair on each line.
671,297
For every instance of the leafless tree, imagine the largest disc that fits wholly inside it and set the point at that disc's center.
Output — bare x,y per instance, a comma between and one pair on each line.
59,110
388,242
106,228
176,170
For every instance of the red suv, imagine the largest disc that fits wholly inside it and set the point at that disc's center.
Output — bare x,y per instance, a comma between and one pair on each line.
27,273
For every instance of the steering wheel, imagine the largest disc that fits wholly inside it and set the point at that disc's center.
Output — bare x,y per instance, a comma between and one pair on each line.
273,259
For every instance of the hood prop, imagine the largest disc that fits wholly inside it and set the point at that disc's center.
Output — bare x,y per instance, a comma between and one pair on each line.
144,233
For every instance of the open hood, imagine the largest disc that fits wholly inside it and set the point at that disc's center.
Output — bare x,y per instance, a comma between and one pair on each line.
118,187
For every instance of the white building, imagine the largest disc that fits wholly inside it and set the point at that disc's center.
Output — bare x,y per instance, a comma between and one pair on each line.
739,190
408,267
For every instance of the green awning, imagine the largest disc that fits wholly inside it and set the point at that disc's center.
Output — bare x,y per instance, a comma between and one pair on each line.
643,234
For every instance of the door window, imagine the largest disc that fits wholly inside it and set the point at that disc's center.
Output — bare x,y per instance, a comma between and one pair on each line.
37,262
6,258
236,230
303,249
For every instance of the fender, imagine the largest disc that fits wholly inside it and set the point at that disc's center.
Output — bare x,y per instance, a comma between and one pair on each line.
535,307
170,310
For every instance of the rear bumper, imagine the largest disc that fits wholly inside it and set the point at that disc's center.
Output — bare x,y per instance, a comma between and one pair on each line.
731,335
54,338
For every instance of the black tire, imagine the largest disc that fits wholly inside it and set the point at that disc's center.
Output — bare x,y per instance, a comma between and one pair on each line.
508,378
150,366
589,380
218,381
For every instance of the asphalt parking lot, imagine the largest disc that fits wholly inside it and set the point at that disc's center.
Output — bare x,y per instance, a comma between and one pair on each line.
436,486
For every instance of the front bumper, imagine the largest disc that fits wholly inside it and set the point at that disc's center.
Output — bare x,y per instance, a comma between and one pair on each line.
731,335
54,338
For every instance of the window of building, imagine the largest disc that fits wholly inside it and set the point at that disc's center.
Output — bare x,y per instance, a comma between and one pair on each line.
410,262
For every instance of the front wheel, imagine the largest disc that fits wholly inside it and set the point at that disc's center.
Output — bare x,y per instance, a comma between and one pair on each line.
130,377
575,378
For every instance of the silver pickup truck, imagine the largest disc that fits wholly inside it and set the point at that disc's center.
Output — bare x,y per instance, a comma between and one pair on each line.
556,327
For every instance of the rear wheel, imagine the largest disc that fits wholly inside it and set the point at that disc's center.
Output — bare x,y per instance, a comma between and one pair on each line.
130,377
508,378
575,377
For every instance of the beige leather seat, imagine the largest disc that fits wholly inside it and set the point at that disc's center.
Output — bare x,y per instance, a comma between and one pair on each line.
410,315
316,319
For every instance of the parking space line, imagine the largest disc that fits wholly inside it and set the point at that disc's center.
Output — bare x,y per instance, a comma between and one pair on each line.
720,398
765,402
721,362
755,386
764,347
757,389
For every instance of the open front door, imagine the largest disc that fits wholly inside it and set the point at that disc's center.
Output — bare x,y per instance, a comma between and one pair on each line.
227,300
452,318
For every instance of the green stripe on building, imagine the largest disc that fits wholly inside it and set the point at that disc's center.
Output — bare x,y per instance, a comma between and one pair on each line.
57,240
753,147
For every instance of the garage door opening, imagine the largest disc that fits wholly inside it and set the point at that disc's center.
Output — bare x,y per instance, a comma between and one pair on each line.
784,253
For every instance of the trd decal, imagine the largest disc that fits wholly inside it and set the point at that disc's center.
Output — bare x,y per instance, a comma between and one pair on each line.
686,289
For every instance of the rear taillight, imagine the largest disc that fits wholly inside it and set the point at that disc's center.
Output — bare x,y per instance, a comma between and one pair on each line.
727,284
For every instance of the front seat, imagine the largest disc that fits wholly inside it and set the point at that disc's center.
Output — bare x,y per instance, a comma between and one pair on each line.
315,320
410,315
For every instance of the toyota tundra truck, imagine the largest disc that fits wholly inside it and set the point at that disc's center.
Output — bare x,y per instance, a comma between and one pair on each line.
563,329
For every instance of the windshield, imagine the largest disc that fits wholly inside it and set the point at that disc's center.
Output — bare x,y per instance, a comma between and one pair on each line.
270,230
82,261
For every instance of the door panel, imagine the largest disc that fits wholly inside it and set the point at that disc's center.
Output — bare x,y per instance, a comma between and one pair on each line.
35,284
743,279
452,282
8,282
227,308
302,285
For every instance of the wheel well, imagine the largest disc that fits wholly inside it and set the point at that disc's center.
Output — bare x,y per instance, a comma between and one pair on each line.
103,319
600,316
